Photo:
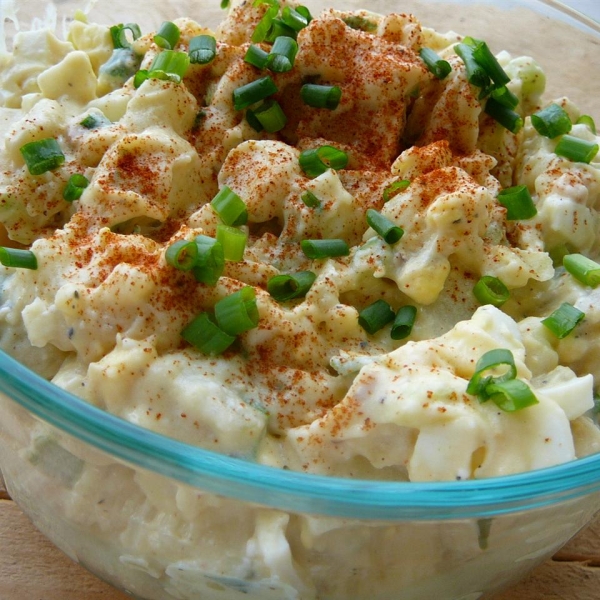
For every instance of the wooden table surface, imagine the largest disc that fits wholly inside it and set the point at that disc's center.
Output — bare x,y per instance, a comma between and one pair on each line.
31,568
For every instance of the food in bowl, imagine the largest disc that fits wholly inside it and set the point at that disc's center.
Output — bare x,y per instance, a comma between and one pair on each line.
355,247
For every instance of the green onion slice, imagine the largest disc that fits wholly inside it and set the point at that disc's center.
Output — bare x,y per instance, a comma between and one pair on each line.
289,286
202,49
505,97
551,121
476,74
205,335
589,121
484,57
119,35
253,92
93,121
376,316
438,66
576,149
490,290
224,4
563,320
18,258
75,186
264,25
316,161
210,260
310,199
297,18
328,248
403,322
278,29
387,229
583,269
511,395
321,96
394,188
283,54
182,255
171,62
233,241
269,115
493,359
237,312
256,56
42,155
504,115
167,36
518,203
230,207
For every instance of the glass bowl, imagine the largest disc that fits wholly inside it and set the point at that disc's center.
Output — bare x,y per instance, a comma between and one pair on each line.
164,520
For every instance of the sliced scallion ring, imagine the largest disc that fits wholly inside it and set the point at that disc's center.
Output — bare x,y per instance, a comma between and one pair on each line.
256,56
316,161
328,248
584,269
182,255
75,186
210,260
253,92
403,322
385,228
588,121
230,207
269,115
395,188
233,241
518,203
376,316
511,395
283,54
167,35
551,121
563,320
321,96
42,156
119,34
237,312
18,258
576,149
289,286
205,335
202,49
310,199
490,290
439,67
264,25
504,115
491,360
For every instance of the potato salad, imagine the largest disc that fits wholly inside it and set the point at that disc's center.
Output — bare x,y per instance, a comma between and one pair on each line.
338,243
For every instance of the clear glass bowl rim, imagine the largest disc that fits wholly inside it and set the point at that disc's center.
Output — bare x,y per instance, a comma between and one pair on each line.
294,491
289,490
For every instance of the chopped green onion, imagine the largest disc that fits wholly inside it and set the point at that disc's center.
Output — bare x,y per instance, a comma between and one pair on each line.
504,115
118,34
18,258
476,74
304,11
328,248
438,66
264,25
583,269
484,57
252,120
230,207
589,121
224,4
387,229
310,199
269,114
202,49
182,255
256,56
394,188
237,312
93,121
167,36
279,29
360,23
253,92
283,54
511,395
576,149
505,97
518,203
563,320
551,121
140,77
233,241
210,261
321,96
316,161
205,335
289,286
403,322
490,290
75,186
376,316
295,18
493,359
42,155
170,62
